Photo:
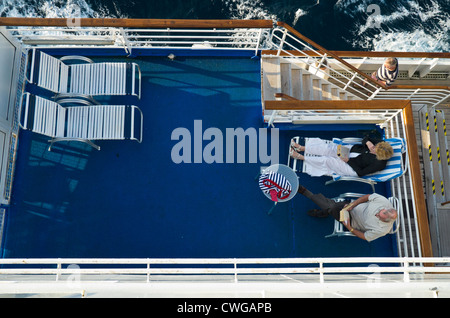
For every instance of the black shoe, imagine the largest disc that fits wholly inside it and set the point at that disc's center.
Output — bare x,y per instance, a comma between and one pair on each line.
318,213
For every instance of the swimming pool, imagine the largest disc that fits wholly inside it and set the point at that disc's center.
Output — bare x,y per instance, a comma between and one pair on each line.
133,200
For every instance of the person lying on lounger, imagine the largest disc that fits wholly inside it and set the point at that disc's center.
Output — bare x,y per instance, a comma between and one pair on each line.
322,157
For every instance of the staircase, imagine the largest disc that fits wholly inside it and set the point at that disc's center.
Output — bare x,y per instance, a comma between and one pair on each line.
293,78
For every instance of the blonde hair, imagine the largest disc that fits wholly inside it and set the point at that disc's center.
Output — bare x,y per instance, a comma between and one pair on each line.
391,61
384,151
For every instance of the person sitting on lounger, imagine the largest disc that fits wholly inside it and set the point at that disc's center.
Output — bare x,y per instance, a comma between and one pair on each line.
371,216
322,157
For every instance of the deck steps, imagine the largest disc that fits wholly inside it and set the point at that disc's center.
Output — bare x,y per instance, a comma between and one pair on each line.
436,167
293,78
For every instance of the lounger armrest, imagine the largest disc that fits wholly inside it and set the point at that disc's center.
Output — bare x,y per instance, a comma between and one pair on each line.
136,71
23,121
351,140
77,99
76,57
132,135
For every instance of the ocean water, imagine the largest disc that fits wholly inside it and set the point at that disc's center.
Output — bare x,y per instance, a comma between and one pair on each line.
382,25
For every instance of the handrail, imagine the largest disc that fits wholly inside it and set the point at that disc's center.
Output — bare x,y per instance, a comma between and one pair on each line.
136,23
329,53
442,55
285,96
419,86
230,266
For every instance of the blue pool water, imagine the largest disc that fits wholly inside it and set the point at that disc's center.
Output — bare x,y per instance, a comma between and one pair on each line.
132,200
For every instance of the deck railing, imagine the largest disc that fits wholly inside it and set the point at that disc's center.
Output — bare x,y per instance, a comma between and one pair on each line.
259,277
61,268
140,33
408,187
287,42
217,34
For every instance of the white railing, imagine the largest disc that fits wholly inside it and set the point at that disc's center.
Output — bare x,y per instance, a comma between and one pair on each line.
233,38
408,240
350,80
177,269
418,96
283,41
393,123
380,117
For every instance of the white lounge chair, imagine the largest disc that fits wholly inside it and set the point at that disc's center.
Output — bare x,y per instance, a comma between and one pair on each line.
88,78
80,123
395,167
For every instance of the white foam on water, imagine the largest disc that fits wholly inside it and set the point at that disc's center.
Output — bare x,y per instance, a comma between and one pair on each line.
248,9
412,25
51,9
254,9
299,13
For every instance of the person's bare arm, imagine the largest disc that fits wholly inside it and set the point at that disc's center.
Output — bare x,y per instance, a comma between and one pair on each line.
360,200
356,232
349,207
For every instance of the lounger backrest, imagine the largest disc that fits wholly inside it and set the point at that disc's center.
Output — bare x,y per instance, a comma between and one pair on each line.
394,167
48,72
43,116
104,78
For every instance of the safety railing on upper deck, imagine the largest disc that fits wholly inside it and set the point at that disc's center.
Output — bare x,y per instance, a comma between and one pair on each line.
215,34
178,269
140,33
413,237
287,42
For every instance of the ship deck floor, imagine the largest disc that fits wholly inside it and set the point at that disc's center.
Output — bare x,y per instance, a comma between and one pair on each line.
132,200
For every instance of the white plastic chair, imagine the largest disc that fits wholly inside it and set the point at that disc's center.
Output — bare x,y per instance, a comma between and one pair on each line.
80,123
395,167
88,78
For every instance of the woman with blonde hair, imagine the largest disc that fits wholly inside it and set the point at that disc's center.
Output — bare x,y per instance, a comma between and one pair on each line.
322,157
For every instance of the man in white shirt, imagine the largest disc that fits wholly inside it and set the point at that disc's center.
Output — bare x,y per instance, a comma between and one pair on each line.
371,216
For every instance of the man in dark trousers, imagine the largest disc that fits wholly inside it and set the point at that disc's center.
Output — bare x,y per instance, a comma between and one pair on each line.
371,215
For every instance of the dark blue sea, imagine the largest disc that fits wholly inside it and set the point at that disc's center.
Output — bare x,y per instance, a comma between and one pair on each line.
382,25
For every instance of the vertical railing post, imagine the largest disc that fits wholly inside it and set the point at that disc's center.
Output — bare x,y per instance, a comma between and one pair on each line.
258,43
58,269
235,271
321,278
405,271
374,94
283,38
148,270
125,41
